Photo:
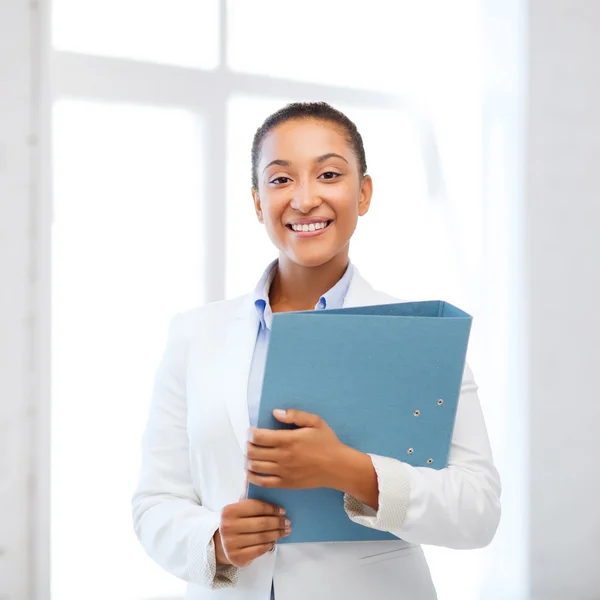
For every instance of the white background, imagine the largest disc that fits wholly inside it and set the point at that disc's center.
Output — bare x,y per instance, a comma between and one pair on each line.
145,223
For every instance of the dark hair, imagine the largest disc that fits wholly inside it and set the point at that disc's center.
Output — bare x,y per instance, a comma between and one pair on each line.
320,111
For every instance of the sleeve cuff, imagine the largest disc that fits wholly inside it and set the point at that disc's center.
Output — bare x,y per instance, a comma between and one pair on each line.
394,497
223,576
203,563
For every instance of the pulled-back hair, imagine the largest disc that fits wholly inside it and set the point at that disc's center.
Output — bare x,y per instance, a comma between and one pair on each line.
320,111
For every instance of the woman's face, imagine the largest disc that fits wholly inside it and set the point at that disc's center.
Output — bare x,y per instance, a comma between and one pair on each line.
310,191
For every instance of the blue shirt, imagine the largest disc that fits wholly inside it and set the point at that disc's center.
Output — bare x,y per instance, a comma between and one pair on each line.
334,298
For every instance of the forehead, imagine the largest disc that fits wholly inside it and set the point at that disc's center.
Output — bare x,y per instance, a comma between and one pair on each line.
299,140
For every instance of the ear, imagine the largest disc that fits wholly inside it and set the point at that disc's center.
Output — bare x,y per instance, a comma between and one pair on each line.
366,191
257,205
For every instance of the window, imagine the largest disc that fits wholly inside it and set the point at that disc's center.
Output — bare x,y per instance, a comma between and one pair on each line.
391,47
175,32
126,254
152,206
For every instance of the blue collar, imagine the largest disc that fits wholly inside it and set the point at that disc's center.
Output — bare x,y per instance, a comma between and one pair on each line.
333,298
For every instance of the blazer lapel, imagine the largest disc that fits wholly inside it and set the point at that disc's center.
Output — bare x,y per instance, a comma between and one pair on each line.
239,349
360,292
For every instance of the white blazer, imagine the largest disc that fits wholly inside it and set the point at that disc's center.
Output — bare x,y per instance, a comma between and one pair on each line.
193,466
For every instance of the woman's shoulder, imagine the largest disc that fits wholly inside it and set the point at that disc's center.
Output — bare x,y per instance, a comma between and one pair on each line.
385,298
211,315
362,292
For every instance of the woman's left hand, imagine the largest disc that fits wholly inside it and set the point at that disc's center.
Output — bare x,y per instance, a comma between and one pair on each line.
294,459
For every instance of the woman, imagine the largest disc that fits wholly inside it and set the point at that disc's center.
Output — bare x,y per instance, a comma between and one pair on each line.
309,186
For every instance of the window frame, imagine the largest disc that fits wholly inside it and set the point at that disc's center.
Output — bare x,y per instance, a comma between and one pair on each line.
85,77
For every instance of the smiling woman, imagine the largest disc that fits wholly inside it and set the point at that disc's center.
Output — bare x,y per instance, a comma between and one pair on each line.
201,447
310,182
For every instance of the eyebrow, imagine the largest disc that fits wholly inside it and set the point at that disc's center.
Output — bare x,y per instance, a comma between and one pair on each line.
329,155
278,161
319,159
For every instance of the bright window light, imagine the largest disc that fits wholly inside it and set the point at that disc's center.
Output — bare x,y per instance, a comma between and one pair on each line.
176,32
126,256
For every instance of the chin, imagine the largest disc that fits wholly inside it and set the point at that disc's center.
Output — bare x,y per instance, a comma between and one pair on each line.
311,260
310,264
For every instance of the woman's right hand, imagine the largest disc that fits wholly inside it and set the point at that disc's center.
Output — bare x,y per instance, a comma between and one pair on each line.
248,529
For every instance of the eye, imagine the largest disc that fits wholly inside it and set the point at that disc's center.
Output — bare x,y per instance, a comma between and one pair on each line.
329,175
280,180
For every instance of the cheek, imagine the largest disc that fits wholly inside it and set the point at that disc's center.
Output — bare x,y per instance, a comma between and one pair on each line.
272,207
344,200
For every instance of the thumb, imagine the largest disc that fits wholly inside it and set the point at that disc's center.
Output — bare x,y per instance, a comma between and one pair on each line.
297,417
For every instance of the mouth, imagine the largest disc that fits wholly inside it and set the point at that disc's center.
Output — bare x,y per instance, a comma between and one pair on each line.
310,229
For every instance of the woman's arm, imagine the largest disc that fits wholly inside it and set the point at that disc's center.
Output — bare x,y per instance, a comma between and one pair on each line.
457,507
356,476
174,528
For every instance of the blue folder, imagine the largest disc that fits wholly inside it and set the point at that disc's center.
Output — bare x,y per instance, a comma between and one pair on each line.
386,379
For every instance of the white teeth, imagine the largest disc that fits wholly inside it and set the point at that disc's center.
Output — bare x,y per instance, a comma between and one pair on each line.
310,227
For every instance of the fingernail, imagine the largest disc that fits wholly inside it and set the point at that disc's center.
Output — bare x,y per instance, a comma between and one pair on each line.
280,412
287,523
282,511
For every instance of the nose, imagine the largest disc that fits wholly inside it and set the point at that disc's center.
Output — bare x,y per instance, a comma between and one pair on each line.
305,199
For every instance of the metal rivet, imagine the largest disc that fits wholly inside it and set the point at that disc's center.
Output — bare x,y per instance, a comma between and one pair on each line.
440,402
417,413
429,461
411,450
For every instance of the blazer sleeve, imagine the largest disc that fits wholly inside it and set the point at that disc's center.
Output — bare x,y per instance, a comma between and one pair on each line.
456,507
175,530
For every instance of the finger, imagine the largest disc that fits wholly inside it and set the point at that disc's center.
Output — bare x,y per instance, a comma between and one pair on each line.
247,540
245,556
265,481
251,508
270,438
254,452
261,467
259,524
298,417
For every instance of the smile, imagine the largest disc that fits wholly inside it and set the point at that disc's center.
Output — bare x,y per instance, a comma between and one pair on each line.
309,229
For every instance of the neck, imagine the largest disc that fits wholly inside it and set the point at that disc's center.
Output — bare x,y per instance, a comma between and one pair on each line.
299,288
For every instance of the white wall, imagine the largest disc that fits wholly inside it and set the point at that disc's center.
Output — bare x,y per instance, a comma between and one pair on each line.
563,252
15,297
543,151
22,277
